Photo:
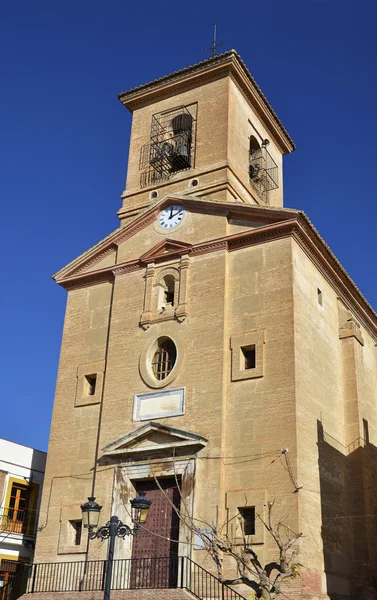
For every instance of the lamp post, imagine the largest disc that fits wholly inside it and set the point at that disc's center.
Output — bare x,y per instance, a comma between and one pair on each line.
113,528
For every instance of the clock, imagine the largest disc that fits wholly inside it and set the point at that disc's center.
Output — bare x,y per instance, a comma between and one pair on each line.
171,216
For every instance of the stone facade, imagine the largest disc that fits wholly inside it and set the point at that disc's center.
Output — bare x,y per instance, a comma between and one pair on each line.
299,426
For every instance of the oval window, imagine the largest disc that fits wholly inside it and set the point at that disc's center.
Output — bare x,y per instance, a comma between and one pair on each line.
164,358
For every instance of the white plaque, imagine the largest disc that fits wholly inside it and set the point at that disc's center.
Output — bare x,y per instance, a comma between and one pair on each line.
154,405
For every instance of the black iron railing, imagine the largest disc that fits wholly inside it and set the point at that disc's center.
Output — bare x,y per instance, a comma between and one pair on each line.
133,573
22,521
17,585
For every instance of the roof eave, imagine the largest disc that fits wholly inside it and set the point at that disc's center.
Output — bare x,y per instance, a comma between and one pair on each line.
227,64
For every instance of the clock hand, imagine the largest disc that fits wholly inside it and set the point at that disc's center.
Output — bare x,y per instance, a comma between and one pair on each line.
171,213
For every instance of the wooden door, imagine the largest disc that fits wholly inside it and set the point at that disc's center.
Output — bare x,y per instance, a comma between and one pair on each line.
17,511
155,547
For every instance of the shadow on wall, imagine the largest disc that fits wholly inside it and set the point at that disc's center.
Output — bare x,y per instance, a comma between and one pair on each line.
348,484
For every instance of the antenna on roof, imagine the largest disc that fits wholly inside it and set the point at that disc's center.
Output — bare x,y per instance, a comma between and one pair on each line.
214,45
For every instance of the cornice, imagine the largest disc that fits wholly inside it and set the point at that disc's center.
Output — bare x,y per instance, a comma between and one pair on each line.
298,228
145,218
227,64
87,279
97,258
326,262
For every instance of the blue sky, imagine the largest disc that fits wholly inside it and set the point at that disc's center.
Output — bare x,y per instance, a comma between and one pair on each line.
64,141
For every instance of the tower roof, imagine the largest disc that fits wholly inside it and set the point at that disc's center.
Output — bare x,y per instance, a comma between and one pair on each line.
228,63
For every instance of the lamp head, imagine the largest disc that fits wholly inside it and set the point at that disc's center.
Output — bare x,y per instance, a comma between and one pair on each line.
90,513
140,507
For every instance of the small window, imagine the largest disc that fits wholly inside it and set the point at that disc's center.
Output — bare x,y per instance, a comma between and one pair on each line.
76,531
253,145
248,520
249,357
169,290
319,297
164,358
91,381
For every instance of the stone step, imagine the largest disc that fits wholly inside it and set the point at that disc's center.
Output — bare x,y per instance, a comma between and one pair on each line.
155,594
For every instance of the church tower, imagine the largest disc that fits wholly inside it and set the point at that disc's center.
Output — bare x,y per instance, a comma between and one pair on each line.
230,150
215,355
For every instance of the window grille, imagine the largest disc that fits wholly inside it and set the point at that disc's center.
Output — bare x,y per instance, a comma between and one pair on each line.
164,359
263,170
171,146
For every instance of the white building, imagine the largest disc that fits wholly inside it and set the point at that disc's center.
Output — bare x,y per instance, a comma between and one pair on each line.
21,478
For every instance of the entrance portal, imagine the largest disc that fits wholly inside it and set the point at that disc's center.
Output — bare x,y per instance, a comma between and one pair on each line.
155,547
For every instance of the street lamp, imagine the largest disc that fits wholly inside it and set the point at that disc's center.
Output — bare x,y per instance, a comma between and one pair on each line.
113,528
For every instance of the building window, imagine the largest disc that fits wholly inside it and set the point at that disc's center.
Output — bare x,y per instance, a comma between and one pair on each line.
248,354
319,297
167,291
76,530
164,358
90,384
170,147
249,358
9,569
263,170
248,520
169,285
16,513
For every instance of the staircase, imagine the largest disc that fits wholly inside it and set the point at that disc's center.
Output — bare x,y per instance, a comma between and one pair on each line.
162,594
164,578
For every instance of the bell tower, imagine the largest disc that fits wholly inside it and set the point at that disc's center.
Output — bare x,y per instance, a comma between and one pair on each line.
205,131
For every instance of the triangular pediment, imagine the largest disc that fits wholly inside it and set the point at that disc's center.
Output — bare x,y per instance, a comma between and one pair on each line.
170,247
100,259
153,438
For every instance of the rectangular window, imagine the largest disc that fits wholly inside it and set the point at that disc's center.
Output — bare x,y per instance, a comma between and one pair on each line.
90,384
248,520
16,512
319,297
77,530
249,358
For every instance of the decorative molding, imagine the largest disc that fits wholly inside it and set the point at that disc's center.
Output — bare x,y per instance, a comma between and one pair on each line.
146,357
165,249
146,315
256,338
96,259
285,223
228,64
159,404
127,444
147,217
351,329
89,279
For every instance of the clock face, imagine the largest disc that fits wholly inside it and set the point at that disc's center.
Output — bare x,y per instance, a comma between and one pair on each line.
171,216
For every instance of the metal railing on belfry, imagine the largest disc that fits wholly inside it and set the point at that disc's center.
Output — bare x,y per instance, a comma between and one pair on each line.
128,574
